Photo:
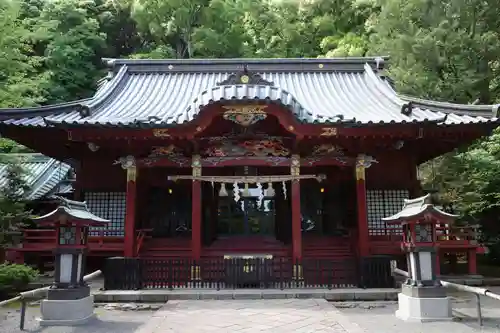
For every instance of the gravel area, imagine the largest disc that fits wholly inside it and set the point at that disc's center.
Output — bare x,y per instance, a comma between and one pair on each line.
111,319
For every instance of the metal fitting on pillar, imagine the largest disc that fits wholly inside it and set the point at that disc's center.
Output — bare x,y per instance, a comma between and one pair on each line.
295,167
363,162
195,273
297,272
196,165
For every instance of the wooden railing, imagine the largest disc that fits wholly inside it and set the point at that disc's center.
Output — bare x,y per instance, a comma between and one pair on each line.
38,238
444,234
220,273
456,233
45,239
246,272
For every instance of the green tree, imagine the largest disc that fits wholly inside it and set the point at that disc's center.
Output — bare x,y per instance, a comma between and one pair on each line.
445,50
13,212
170,23
20,82
72,48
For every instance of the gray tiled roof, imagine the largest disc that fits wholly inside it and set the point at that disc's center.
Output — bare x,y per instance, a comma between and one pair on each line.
74,209
43,175
165,92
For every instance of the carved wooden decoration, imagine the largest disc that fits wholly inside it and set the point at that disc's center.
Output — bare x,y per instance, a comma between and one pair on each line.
256,148
329,131
128,163
327,149
245,115
245,77
362,163
161,132
164,151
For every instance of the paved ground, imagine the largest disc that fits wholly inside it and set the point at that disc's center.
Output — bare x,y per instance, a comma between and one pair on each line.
279,316
286,315
108,322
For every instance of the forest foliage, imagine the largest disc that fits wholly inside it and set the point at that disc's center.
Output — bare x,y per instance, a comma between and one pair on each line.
51,51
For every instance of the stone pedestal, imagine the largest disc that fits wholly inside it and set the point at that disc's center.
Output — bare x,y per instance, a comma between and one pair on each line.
67,312
423,304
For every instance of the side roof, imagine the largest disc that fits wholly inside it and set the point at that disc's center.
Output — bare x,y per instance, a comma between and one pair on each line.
156,93
44,176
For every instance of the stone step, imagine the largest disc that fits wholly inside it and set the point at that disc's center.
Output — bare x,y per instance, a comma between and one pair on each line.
163,295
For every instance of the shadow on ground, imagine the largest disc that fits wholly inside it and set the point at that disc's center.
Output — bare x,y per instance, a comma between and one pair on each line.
95,326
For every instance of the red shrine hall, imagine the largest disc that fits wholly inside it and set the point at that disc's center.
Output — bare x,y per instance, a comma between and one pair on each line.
292,158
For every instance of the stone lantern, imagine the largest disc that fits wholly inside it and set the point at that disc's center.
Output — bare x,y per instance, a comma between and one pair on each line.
69,301
422,297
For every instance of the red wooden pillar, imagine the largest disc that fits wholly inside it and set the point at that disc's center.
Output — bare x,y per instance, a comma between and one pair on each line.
472,261
363,235
438,262
296,214
130,210
196,210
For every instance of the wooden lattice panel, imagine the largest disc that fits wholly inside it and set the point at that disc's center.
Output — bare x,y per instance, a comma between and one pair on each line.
108,205
384,203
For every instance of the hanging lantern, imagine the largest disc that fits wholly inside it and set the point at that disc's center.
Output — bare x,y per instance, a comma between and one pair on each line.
223,191
246,192
270,190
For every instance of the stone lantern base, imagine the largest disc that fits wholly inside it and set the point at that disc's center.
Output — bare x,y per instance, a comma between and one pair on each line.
424,304
67,307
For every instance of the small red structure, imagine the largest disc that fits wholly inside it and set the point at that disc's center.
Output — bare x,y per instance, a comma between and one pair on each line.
68,301
162,142
422,233
71,221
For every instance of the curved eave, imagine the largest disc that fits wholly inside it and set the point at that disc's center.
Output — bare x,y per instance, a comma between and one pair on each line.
248,92
37,116
71,215
348,123
458,114
415,213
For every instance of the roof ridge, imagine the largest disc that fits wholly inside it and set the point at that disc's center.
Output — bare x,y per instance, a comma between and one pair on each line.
349,64
383,89
207,61
106,91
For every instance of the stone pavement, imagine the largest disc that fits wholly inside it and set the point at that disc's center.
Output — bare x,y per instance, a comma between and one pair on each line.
249,316
278,315
163,295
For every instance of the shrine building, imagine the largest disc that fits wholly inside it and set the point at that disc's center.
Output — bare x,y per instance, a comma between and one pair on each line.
293,158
